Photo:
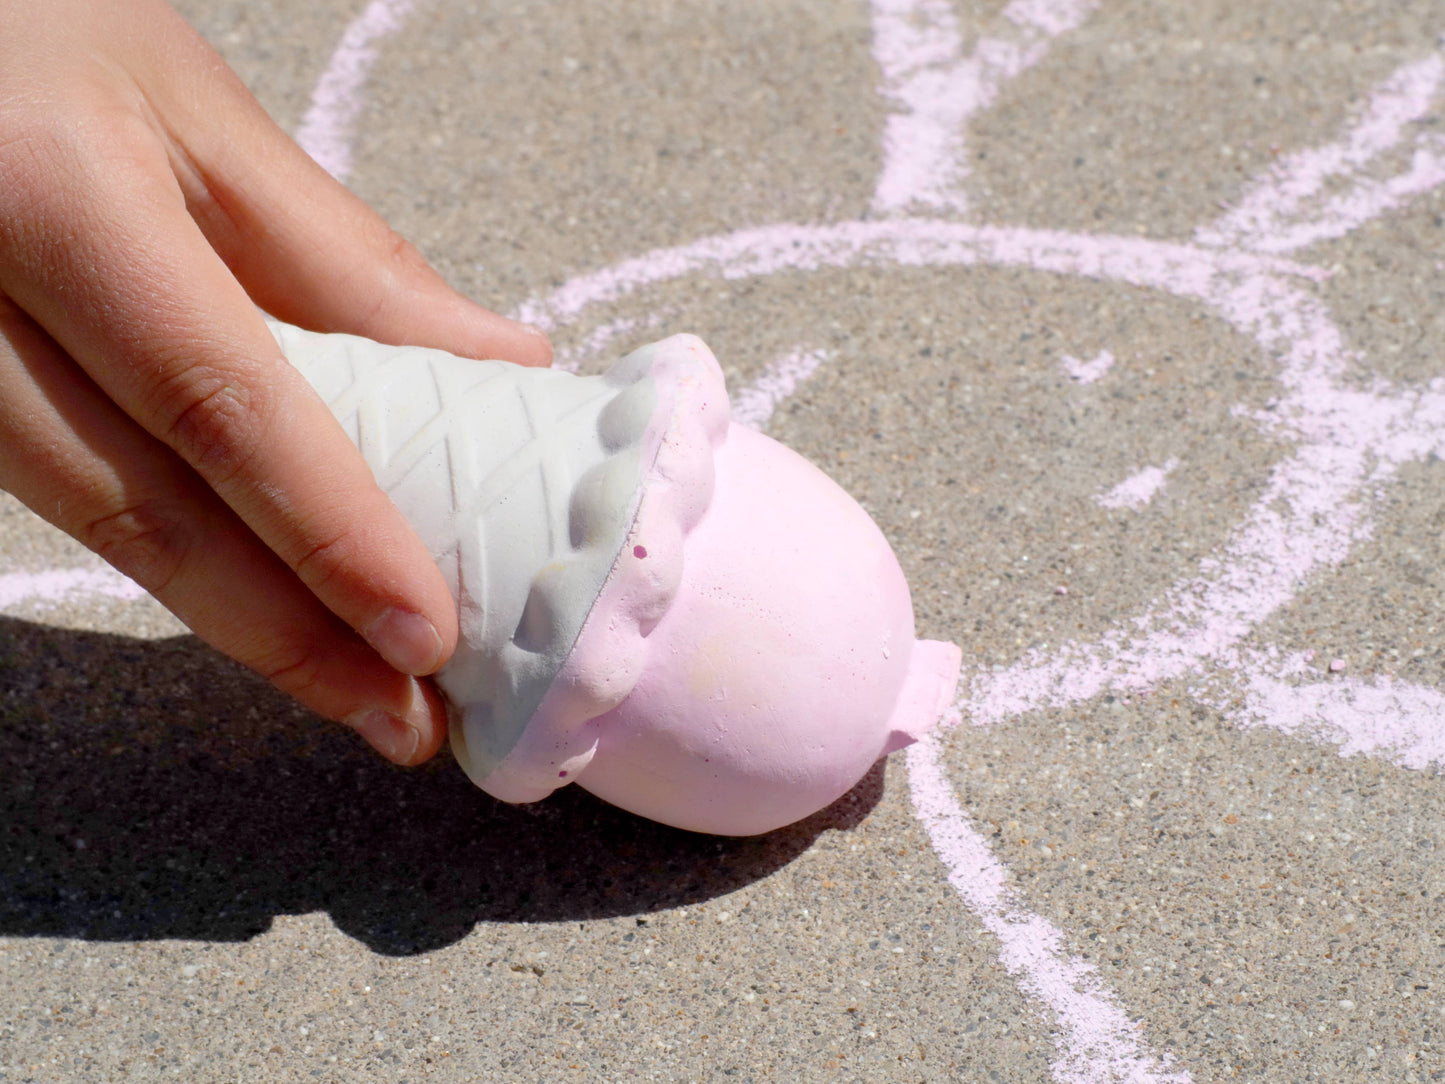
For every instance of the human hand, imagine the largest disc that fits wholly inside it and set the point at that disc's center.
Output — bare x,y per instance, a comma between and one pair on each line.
147,206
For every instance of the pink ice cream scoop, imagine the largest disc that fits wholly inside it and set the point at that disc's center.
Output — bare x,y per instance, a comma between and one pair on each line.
677,613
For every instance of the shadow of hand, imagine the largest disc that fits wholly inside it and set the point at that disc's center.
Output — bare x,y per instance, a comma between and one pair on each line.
152,789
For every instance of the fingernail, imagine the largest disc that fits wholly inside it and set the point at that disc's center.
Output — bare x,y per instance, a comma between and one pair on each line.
393,738
408,641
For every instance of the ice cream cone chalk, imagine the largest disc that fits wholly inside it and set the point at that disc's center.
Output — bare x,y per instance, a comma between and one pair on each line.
675,612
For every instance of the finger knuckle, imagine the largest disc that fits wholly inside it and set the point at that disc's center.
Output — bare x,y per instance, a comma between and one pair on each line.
399,270
295,667
148,541
321,562
403,258
216,421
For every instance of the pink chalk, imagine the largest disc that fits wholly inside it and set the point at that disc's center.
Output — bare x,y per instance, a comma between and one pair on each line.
785,665
1286,210
760,660
1086,372
937,89
666,607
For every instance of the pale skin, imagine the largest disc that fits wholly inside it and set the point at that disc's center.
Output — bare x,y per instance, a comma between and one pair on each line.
148,205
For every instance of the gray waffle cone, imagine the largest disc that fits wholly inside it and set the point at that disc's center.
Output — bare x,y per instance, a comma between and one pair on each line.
523,483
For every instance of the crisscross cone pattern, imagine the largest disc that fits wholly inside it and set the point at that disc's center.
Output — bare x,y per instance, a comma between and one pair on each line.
523,483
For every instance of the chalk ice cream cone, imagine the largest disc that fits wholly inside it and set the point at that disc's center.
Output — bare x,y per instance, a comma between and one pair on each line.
681,615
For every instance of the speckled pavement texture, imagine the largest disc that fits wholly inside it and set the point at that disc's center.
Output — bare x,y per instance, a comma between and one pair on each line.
1123,318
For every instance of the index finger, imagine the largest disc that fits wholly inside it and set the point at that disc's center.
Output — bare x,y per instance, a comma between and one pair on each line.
113,267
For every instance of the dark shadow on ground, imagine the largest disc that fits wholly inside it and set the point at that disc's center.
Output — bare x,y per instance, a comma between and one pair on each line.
152,789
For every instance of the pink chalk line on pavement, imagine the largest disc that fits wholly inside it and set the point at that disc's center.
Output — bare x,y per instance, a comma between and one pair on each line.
1315,506
1317,502
327,129
1086,372
754,405
1275,214
1381,717
54,587
1138,489
1183,270
918,46
1097,1041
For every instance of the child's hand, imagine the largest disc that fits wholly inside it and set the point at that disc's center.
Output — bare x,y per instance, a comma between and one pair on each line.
147,205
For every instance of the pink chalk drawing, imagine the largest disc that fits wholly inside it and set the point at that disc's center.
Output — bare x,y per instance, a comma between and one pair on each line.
1096,1039
329,126
1394,720
1138,489
754,405
598,342
1277,215
1345,438
1086,372
918,46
